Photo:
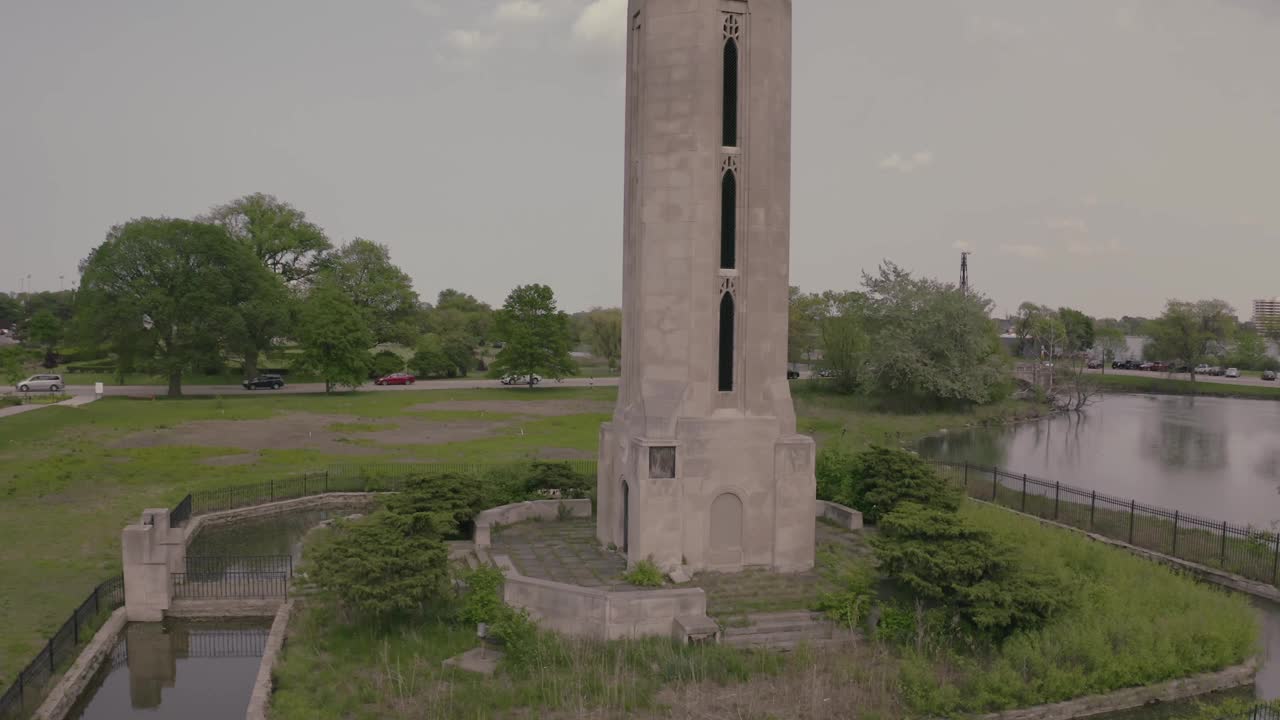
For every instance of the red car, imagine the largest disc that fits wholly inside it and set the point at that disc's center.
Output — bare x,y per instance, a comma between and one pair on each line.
396,379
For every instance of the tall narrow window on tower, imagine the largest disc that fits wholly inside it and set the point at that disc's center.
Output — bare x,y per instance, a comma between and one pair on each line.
726,342
729,218
732,32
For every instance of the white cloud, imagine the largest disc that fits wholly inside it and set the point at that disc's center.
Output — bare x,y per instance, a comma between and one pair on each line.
519,11
1023,250
1093,249
472,40
903,163
994,29
603,24
1067,225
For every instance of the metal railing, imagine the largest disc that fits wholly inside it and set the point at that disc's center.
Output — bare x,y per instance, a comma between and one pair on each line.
381,477
61,648
233,577
1242,550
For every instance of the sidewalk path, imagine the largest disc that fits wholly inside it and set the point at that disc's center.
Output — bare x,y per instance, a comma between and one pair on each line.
76,401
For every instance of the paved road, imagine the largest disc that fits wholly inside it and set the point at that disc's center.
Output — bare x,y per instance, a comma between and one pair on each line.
1199,378
301,388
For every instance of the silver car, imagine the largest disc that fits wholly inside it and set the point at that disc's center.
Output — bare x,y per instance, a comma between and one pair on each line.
52,383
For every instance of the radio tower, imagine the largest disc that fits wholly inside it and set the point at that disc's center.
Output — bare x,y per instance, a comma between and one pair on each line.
964,273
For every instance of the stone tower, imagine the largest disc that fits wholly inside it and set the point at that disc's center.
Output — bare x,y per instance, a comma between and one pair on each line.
701,465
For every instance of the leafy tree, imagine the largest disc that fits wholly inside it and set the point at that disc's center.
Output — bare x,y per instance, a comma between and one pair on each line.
1050,333
1250,351
451,500
930,341
604,333
44,330
1024,324
11,364
167,292
334,337
458,312
381,291
804,316
385,362
386,565
878,479
559,476
1079,329
536,335
288,245
460,350
843,321
1186,332
431,360
10,311
942,557
1111,341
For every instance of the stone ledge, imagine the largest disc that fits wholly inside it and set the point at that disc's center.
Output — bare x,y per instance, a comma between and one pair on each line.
74,681
228,608
845,517
521,511
1130,698
260,700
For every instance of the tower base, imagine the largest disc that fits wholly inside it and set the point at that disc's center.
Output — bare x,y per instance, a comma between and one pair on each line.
729,493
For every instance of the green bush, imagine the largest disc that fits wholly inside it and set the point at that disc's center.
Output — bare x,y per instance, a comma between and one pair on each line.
482,602
451,499
877,479
545,476
850,605
386,362
941,557
644,574
383,566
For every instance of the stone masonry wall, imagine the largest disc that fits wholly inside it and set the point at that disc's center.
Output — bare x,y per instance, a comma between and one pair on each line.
64,695
260,700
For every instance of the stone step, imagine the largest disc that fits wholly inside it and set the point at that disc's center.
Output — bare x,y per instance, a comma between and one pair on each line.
788,645
769,623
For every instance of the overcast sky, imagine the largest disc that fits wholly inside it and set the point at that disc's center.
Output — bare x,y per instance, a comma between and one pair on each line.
1103,154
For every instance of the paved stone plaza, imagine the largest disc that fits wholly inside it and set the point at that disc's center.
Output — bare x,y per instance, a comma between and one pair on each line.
567,551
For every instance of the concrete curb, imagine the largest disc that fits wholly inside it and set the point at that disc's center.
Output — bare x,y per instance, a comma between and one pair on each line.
64,695
1130,698
260,700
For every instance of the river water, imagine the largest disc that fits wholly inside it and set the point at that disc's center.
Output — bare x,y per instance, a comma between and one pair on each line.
1218,458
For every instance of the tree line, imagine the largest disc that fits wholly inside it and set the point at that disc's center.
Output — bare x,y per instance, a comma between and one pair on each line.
171,296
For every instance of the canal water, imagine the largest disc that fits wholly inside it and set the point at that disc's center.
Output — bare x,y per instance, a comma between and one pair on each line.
1218,458
178,670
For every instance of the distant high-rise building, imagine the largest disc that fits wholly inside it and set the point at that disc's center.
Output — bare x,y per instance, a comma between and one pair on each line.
1266,314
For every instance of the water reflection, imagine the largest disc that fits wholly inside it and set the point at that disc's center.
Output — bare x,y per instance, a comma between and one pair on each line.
1213,457
274,535
195,671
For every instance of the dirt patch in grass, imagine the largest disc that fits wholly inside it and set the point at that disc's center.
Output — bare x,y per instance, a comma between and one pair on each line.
231,460
305,431
532,406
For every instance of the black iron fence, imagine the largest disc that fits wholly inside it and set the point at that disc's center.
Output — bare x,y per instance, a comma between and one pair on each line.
233,577
380,477
61,649
1264,711
181,512
1243,550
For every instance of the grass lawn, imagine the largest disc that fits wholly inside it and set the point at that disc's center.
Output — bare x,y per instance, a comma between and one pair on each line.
1132,622
71,478
1162,385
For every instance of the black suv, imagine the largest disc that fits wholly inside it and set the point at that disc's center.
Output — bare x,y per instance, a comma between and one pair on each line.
271,382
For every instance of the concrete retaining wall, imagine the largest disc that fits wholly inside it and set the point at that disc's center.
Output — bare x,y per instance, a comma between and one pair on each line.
600,614
74,681
330,501
528,510
260,700
1130,698
845,517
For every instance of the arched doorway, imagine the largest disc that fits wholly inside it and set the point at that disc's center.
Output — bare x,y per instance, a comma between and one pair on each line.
725,547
